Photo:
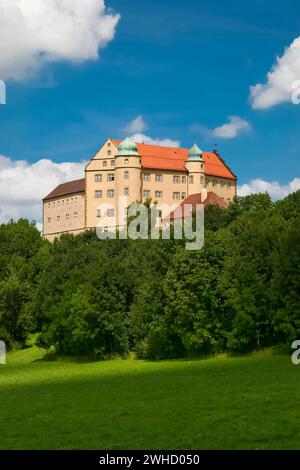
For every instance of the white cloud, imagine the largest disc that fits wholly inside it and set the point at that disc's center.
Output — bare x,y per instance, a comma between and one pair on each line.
145,139
136,126
275,189
279,85
33,32
23,185
232,129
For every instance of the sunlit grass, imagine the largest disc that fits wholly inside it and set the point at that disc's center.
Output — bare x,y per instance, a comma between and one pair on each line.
247,402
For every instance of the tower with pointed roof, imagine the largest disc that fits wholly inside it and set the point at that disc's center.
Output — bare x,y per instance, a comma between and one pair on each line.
128,175
196,170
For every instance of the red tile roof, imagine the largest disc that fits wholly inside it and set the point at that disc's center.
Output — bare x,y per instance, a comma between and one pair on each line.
72,187
174,159
194,199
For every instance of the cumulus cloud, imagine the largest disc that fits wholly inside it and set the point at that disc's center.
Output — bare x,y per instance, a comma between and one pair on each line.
231,129
281,80
137,125
275,189
145,139
33,32
23,185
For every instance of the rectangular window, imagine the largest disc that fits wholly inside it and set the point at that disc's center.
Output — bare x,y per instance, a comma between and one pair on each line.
67,216
176,195
109,153
228,185
75,214
146,193
98,178
191,179
207,181
158,178
158,194
214,183
104,163
110,177
222,184
183,179
98,194
98,212
126,191
110,212
176,179
112,163
183,195
126,175
49,219
110,193
146,177
58,217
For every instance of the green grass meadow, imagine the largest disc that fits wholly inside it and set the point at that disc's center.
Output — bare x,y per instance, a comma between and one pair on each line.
250,402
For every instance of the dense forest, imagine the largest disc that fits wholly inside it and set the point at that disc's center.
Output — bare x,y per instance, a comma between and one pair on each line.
106,298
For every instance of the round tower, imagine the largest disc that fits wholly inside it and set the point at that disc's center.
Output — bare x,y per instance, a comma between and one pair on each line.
196,170
128,177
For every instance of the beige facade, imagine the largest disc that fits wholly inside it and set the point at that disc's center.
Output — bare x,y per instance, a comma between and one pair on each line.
64,214
114,182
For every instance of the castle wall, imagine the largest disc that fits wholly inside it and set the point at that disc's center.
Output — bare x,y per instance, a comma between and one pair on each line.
63,214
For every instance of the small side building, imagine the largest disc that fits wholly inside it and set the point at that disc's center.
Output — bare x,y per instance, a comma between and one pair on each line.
64,210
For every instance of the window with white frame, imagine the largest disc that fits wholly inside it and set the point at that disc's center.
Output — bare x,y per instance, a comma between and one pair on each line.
98,213
98,178
110,193
158,178
146,176
191,179
126,191
183,179
98,194
111,177
158,194
146,193
176,179
176,195
126,175
110,212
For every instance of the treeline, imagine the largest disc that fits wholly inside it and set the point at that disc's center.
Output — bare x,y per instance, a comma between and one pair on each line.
83,296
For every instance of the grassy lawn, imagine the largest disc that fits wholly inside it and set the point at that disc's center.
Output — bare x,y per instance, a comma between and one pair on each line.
221,403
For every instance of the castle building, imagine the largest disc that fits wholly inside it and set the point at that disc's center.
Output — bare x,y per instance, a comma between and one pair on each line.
129,172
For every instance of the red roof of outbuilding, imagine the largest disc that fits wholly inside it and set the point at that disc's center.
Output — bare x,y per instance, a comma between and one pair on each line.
194,199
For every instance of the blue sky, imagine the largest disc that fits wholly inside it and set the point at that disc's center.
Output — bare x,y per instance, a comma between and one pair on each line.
184,66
